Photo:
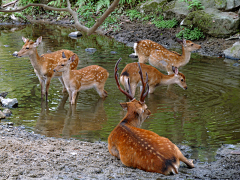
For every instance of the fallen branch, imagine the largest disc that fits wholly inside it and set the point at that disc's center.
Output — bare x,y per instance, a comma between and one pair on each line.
68,9
9,4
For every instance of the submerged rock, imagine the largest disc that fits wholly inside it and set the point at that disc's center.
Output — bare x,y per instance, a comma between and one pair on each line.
91,50
2,115
233,52
11,103
75,34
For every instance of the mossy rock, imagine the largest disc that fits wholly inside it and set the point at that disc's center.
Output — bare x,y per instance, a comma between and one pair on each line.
152,6
213,22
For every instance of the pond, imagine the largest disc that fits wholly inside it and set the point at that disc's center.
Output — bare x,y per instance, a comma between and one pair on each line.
204,116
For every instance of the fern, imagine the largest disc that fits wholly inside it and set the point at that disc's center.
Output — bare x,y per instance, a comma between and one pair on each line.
102,3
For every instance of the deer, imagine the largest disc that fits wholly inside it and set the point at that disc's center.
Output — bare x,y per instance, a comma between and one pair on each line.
140,148
43,65
162,58
89,77
155,77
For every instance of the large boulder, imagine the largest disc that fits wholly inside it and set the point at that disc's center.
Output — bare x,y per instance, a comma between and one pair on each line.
233,52
176,9
214,22
225,5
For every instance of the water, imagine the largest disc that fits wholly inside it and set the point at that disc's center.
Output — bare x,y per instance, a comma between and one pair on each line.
204,117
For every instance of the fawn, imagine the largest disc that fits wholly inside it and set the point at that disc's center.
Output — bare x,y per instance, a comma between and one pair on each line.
155,78
86,78
43,65
162,58
140,148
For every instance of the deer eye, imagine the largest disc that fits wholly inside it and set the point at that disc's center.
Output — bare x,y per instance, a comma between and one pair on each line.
62,64
182,80
27,47
191,44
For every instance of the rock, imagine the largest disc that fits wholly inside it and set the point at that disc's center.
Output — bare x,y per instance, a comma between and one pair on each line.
133,55
176,9
151,6
3,94
113,52
7,112
2,115
233,52
91,50
213,22
11,103
15,53
75,34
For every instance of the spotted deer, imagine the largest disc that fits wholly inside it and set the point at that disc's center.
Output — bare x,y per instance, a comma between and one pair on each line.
89,77
162,58
140,148
155,77
43,65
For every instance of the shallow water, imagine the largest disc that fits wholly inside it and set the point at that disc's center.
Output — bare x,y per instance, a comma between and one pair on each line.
204,116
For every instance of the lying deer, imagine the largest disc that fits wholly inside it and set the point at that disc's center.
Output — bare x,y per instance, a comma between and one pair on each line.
162,58
43,65
140,148
155,78
86,78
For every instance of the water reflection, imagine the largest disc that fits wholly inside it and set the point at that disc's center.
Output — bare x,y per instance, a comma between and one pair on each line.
204,116
70,122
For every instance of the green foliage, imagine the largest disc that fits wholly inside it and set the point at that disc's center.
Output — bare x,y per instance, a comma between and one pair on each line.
165,23
194,4
58,3
187,33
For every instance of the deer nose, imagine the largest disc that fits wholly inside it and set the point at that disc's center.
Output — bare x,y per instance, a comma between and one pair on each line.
186,88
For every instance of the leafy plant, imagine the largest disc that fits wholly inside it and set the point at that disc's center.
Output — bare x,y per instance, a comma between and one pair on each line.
58,3
194,4
190,34
165,23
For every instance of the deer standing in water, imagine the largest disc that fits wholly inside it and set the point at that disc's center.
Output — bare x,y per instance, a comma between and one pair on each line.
162,58
140,148
155,77
43,65
86,78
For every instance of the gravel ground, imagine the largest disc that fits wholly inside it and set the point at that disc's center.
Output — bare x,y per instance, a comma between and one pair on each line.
25,155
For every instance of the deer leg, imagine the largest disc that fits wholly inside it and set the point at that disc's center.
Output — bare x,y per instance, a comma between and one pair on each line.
74,95
48,80
100,89
62,82
151,89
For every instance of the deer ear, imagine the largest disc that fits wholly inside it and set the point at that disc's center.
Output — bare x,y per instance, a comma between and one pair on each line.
63,55
184,42
175,70
24,39
124,105
38,41
72,58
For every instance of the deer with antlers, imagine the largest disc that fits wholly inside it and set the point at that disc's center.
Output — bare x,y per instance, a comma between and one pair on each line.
140,148
162,58
43,65
89,77
155,77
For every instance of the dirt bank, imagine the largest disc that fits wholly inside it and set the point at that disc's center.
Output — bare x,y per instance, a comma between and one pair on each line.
132,32
25,155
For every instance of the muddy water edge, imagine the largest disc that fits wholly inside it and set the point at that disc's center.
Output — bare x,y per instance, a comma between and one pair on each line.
203,117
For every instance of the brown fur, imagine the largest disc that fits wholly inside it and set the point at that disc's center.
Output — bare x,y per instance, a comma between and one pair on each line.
155,77
43,65
92,76
162,58
140,148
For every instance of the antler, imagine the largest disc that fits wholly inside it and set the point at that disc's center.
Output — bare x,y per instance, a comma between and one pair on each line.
119,87
144,84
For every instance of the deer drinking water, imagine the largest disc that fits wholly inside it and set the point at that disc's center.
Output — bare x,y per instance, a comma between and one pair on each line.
43,65
155,78
140,148
86,78
162,58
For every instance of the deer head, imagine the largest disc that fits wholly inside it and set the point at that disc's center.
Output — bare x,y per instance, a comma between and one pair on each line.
64,64
137,111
